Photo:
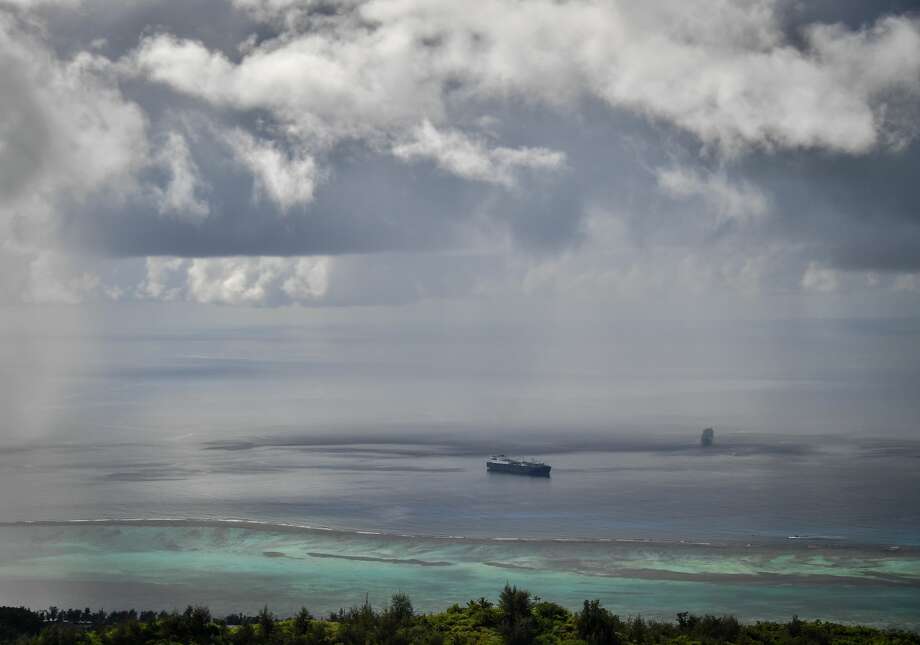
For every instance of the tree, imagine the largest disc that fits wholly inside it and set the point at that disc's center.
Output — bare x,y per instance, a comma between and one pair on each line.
127,633
302,622
596,625
358,625
400,610
516,625
245,635
308,631
638,630
62,635
266,620
198,625
18,621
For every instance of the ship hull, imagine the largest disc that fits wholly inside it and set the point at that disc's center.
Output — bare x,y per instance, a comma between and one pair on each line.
541,470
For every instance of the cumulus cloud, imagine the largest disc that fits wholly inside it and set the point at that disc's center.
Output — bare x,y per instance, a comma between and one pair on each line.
53,281
181,195
819,278
67,135
723,198
253,281
880,63
469,158
66,131
289,181
775,97
732,80
159,273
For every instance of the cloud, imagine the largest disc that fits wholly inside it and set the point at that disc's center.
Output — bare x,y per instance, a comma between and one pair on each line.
32,4
67,136
820,279
881,63
724,199
287,12
469,158
308,279
181,194
253,281
52,281
286,180
66,131
187,66
733,146
731,80
159,272
779,96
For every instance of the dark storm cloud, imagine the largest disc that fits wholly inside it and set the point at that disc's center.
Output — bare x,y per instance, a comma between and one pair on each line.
858,213
113,28
853,13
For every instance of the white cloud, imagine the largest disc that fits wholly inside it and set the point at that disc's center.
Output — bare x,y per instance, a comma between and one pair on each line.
820,279
308,279
470,158
159,274
719,69
234,281
252,281
187,66
66,133
181,195
722,198
287,180
53,280
881,64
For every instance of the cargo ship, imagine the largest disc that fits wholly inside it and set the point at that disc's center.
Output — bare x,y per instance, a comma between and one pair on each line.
503,464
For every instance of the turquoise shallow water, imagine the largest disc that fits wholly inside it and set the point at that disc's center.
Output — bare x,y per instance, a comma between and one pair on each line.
234,566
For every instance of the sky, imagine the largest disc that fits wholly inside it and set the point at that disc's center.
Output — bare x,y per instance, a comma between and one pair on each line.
397,163
273,152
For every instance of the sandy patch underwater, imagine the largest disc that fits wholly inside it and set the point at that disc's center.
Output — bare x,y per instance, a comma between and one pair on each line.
169,564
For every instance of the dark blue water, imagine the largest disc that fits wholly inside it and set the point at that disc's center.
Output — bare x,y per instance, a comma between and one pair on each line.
747,488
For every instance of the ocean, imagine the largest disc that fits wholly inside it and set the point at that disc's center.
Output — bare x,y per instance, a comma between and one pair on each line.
317,464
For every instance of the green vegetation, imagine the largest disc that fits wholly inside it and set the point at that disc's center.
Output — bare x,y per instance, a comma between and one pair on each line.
517,619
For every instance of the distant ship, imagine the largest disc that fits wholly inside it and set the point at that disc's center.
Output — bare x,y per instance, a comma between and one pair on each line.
502,464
